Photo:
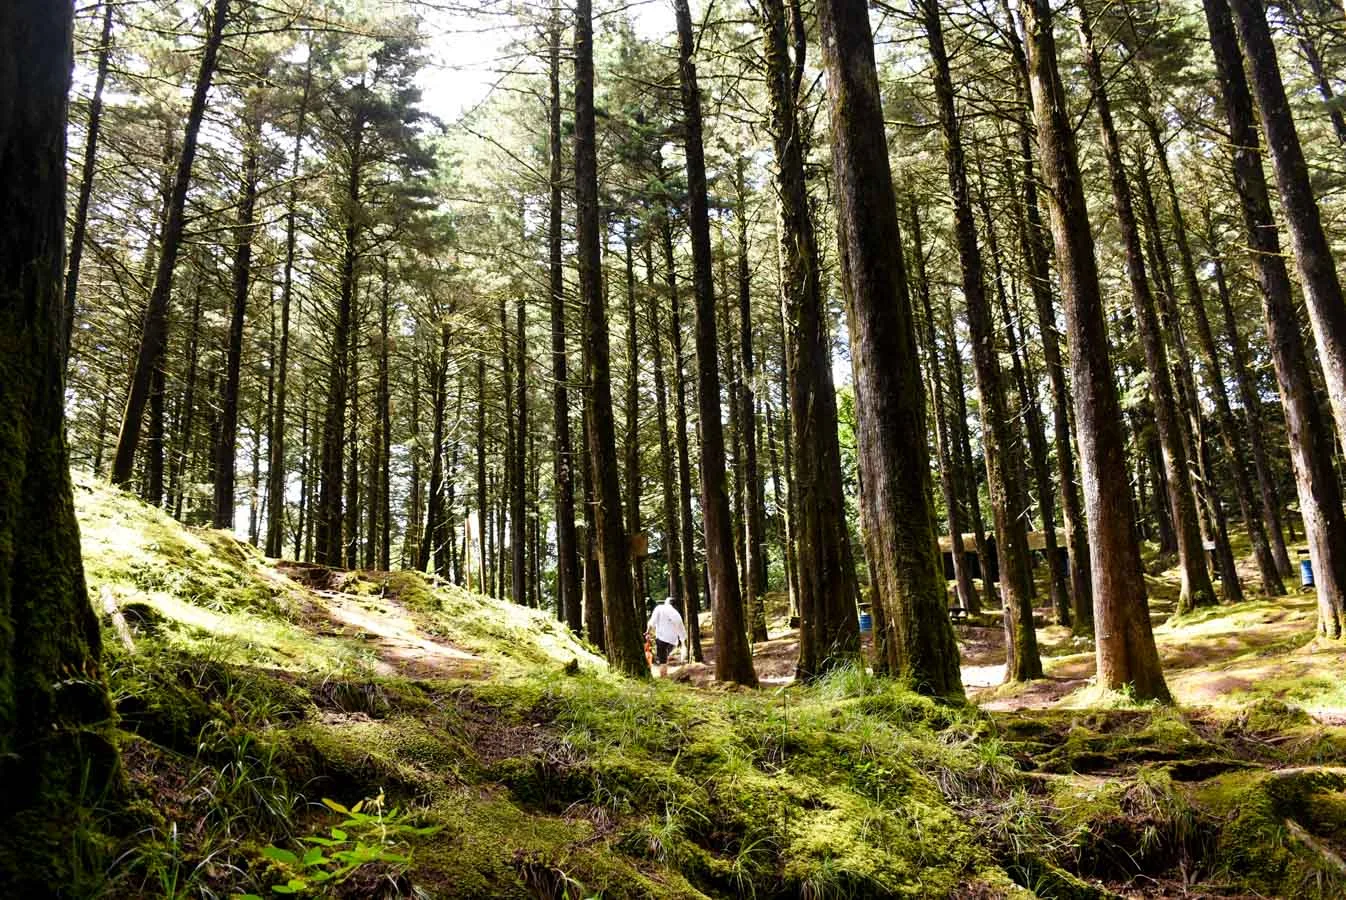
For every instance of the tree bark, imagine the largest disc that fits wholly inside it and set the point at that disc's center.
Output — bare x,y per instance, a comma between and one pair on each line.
226,448
154,332
948,471
1309,434
1251,417
672,533
1016,574
1032,239
92,130
1125,641
754,561
733,655
817,541
1313,254
622,631
56,749
890,401
631,448
1215,379
276,465
568,590
691,599
1196,589
518,502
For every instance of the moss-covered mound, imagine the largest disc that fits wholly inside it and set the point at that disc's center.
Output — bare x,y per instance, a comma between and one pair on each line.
373,734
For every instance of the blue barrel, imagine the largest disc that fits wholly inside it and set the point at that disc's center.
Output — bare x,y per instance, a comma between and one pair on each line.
866,623
1305,571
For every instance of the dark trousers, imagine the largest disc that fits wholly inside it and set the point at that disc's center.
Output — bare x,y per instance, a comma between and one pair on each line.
661,651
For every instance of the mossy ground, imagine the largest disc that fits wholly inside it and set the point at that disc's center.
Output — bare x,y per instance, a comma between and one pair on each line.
250,696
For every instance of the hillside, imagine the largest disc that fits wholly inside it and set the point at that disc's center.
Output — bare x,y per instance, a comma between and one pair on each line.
495,756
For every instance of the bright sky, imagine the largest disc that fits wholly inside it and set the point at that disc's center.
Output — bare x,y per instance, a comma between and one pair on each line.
468,52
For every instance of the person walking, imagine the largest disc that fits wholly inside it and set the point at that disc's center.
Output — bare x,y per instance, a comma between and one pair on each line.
668,630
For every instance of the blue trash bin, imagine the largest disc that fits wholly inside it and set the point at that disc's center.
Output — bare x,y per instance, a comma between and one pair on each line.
1305,571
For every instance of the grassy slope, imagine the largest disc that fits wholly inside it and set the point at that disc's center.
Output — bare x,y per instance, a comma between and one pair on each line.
519,767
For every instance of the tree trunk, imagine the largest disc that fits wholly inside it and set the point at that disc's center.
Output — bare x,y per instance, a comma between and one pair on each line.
948,471
889,398
631,448
1215,380
226,448
1309,435
1125,641
350,521
276,467
1032,237
435,514
1196,589
1215,526
56,749
672,535
154,332
1031,414
733,654
1016,574
518,496
1295,14
328,526
691,599
1313,254
1251,417
821,552
92,130
754,546
622,630
568,590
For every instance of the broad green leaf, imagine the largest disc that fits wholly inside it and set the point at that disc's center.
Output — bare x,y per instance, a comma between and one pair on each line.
281,856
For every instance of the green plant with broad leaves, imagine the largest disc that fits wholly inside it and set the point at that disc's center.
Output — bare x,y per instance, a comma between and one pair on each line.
367,835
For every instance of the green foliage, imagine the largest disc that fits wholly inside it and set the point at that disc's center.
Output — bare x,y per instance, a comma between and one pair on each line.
367,836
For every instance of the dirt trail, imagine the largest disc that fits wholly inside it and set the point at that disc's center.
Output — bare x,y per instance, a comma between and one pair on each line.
383,626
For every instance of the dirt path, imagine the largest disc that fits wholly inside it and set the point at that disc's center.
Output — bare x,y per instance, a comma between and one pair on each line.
382,626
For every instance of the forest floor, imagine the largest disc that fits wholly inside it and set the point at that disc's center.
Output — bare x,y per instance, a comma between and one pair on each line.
495,756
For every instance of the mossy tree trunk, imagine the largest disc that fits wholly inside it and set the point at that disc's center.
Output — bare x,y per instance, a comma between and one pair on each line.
1309,432
56,756
733,655
828,628
1126,651
890,400
1016,575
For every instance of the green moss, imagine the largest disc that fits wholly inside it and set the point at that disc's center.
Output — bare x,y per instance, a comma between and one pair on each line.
1262,817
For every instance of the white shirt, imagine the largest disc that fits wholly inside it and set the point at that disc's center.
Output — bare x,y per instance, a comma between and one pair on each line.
667,624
